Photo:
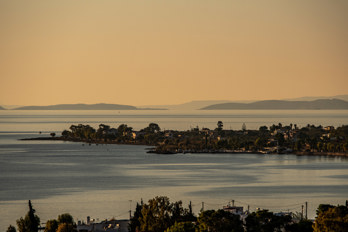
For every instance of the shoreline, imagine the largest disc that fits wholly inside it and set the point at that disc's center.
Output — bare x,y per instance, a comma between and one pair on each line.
90,142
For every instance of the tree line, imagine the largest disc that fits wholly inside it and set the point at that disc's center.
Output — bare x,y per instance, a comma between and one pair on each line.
31,223
161,215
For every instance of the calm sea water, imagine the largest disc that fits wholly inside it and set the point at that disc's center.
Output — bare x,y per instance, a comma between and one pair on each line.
107,180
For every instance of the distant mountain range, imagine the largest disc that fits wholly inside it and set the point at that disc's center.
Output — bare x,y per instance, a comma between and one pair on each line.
209,104
101,106
321,104
196,105
192,105
342,97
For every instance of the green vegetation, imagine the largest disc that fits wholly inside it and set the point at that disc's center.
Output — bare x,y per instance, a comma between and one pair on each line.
161,215
219,221
331,219
30,223
263,221
51,225
11,229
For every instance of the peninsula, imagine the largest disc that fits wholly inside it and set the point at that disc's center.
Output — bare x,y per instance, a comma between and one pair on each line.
276,139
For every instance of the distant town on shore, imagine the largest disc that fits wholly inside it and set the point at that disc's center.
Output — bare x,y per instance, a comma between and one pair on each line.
276,139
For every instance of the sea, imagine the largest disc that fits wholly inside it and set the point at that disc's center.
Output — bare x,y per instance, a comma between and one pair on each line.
107,181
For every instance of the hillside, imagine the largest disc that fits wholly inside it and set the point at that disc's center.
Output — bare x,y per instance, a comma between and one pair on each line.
2,108
321,104
79,107
192,105
312,98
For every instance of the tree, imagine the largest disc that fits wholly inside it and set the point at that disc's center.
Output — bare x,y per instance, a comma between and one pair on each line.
66,133
30,223
51,226
134,224
11,229
331,219
220,125
301,226
65,227
264,221
182,227
156,215
123,129
65,218
159,215
263,129
152,128
219,221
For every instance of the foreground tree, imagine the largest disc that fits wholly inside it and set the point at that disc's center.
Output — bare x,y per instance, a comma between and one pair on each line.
264,221
30,223
301,226
331,219
65,227
219,221
134,224
11,229
51,226
182,227
156,215
64,223
65,218
159,215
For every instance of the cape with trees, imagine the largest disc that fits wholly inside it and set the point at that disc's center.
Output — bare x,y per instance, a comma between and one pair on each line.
277,138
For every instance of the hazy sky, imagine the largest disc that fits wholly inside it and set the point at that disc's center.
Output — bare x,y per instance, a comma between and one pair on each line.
171,51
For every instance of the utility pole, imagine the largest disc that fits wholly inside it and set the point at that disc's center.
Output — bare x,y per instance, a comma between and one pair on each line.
130,209
202,206
306,209
190,208
302,213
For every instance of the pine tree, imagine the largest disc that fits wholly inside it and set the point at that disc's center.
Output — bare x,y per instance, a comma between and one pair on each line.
30,223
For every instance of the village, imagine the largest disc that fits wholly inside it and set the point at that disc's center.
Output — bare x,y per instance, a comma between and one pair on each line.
276,139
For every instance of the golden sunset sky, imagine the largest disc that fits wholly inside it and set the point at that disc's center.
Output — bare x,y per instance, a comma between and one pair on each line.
171,51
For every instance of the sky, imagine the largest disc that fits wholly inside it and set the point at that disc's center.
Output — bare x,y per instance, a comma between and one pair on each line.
171,52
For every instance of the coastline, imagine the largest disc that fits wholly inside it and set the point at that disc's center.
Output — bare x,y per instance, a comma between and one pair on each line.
221,151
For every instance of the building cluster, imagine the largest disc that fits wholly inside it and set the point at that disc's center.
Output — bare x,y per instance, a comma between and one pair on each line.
111,225
239,210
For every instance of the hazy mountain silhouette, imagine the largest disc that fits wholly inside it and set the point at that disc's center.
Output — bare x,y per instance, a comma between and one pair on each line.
2,108
321,104
100,106
199,104
192,105
312,98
